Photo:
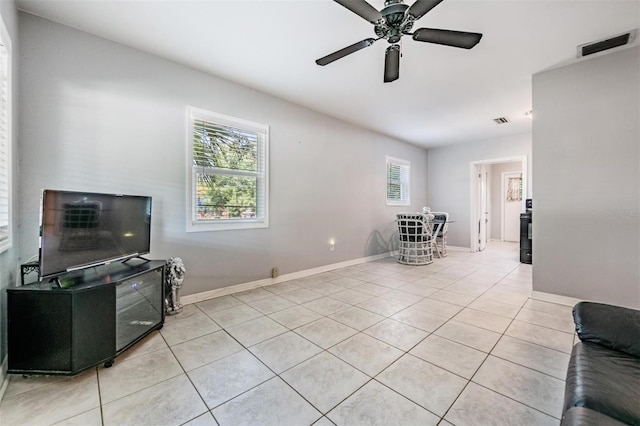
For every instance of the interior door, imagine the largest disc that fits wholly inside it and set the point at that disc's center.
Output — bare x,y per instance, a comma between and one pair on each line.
511,206
484,213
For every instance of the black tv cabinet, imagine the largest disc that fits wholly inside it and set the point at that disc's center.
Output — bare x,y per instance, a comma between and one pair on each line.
526,238
93,317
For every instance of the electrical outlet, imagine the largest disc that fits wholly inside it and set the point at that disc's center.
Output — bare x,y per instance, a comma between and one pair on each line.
275,273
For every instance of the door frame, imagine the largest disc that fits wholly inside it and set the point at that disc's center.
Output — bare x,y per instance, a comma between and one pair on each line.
475,196
484,205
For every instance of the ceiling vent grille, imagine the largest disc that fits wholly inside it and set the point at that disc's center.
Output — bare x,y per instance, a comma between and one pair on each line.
606,44
501,120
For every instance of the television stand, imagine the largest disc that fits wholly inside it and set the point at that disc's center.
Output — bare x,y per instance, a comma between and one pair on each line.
91,318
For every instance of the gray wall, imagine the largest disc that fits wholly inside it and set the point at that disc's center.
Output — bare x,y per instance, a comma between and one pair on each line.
586,143
99,116
448,175
8,259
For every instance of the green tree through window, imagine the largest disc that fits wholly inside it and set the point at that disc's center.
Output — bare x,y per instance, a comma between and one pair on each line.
229,172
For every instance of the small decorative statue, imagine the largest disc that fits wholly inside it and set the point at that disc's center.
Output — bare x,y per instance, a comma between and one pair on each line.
174,269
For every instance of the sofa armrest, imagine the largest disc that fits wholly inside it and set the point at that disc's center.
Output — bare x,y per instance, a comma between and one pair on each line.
611,326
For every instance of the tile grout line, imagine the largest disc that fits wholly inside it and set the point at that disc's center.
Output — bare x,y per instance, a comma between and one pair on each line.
327,350
493,390
100,398
362,331
487,353
309,286
189,377
275,375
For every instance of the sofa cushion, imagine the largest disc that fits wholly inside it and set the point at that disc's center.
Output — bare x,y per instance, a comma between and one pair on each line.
580,416
604,380
611,326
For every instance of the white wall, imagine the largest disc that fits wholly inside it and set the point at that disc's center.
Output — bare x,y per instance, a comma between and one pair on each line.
8,259
586,215
99,116
448,178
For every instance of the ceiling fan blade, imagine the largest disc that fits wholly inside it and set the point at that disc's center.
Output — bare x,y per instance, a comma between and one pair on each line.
447,37
421,7
346,51
392,63
362,9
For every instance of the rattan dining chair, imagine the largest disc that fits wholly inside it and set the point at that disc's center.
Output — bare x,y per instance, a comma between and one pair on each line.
441,238
415,241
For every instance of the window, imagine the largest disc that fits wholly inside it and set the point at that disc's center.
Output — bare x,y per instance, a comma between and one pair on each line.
398,172
5,139
514,189
228,166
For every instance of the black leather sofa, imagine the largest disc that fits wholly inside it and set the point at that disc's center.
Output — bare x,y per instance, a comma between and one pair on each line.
603,379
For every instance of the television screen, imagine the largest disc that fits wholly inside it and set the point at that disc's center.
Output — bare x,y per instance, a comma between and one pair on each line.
82,229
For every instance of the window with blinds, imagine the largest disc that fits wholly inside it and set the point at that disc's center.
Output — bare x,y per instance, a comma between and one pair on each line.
228,163
5,139
398,187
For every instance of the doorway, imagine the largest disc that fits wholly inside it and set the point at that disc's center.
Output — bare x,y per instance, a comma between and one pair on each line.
490,219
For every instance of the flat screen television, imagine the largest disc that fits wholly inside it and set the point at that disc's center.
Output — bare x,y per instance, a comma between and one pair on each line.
83,229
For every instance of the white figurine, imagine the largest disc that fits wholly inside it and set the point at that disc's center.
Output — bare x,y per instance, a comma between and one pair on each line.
174,270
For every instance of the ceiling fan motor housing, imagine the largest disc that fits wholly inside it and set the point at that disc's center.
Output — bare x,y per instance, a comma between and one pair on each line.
394,21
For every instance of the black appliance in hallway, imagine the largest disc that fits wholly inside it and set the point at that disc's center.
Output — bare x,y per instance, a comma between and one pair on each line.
526,247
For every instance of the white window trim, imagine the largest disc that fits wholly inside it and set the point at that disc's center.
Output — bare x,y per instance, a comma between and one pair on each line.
5,40
403,163
194,113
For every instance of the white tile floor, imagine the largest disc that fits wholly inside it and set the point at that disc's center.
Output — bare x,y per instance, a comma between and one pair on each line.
455,342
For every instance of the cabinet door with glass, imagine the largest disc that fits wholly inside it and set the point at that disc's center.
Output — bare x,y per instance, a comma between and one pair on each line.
139,307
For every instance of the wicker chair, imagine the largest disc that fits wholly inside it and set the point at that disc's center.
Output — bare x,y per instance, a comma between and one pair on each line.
414,239
441,238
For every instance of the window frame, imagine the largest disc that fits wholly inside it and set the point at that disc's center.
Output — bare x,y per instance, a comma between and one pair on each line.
262,174
6,159
403,184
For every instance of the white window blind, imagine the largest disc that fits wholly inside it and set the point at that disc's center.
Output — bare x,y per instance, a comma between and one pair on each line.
398,185
228,163
5,140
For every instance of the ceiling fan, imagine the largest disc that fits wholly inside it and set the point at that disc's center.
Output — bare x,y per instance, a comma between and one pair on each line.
391,23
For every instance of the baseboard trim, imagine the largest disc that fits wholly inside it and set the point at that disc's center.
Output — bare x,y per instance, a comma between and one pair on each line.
555,298
218,292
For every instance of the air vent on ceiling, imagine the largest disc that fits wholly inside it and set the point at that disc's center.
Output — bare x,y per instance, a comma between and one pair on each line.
609,43
501,120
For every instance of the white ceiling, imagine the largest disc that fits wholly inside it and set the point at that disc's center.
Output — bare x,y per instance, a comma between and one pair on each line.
444,95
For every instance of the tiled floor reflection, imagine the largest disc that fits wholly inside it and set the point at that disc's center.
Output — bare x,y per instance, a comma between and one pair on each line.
456,342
